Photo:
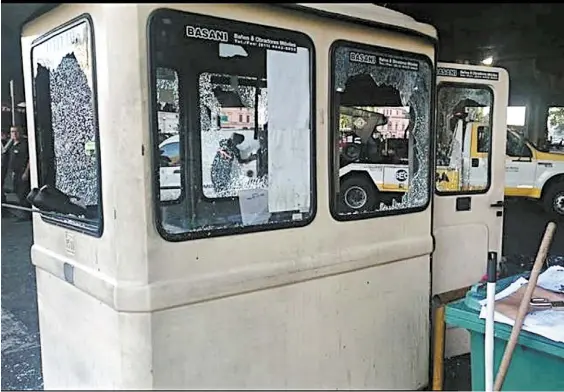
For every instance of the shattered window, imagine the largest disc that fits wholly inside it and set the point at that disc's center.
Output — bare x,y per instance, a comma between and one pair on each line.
225,100
65,121
239,156
382,102
463,141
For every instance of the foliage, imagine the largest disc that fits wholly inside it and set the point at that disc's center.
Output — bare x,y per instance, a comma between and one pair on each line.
556,117
556,124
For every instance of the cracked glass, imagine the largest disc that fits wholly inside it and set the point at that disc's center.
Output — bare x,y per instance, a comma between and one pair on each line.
65,119
239,154
382,138
463,141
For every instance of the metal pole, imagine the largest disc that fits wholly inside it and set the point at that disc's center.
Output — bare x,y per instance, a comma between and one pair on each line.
13,103
489,335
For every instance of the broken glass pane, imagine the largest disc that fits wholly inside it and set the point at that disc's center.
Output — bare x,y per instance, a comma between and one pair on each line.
240,164
65,122
398,82
228,111
463,138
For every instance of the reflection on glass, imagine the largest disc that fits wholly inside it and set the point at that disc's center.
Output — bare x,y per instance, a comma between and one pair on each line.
65,122
517,147
555,126
382,139
463,138
170,161
239,153
229,105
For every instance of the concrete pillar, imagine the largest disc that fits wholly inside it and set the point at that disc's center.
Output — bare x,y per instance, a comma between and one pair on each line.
536,124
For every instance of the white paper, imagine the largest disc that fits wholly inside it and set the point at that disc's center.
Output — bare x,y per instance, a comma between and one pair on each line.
552,279
547,323
289,134
254,206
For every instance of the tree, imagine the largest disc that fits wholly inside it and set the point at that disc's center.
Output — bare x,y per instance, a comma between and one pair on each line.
556,117
345,122
556,124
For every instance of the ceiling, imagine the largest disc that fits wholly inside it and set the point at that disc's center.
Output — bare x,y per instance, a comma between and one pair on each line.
14,14
512,30
526,39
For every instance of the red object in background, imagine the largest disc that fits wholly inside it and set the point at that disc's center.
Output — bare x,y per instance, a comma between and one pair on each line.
485,277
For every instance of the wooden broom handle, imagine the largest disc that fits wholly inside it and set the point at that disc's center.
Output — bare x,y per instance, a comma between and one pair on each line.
524,306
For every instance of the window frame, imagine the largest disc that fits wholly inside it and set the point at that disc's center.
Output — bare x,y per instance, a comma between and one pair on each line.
153,129
333,123
477,86
83,18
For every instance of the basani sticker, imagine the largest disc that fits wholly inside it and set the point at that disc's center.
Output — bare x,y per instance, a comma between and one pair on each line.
383,61
207,34
248,40
467,73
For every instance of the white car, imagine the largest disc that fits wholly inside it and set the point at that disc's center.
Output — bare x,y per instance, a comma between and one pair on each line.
170,168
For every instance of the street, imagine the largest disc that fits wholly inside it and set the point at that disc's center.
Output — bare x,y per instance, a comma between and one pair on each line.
21,364
21,358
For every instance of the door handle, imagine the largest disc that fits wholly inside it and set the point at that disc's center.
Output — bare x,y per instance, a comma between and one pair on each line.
177,171
498,204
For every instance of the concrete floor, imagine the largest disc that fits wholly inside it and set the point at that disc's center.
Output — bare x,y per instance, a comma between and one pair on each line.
21,358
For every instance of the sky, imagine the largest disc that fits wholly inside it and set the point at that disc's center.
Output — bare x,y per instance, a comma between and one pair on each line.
516,115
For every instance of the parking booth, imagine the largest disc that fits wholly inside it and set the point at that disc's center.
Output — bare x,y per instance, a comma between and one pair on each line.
210,240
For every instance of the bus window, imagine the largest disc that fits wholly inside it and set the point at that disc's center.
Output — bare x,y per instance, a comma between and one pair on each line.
66,128
381,131
463,142
245,126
